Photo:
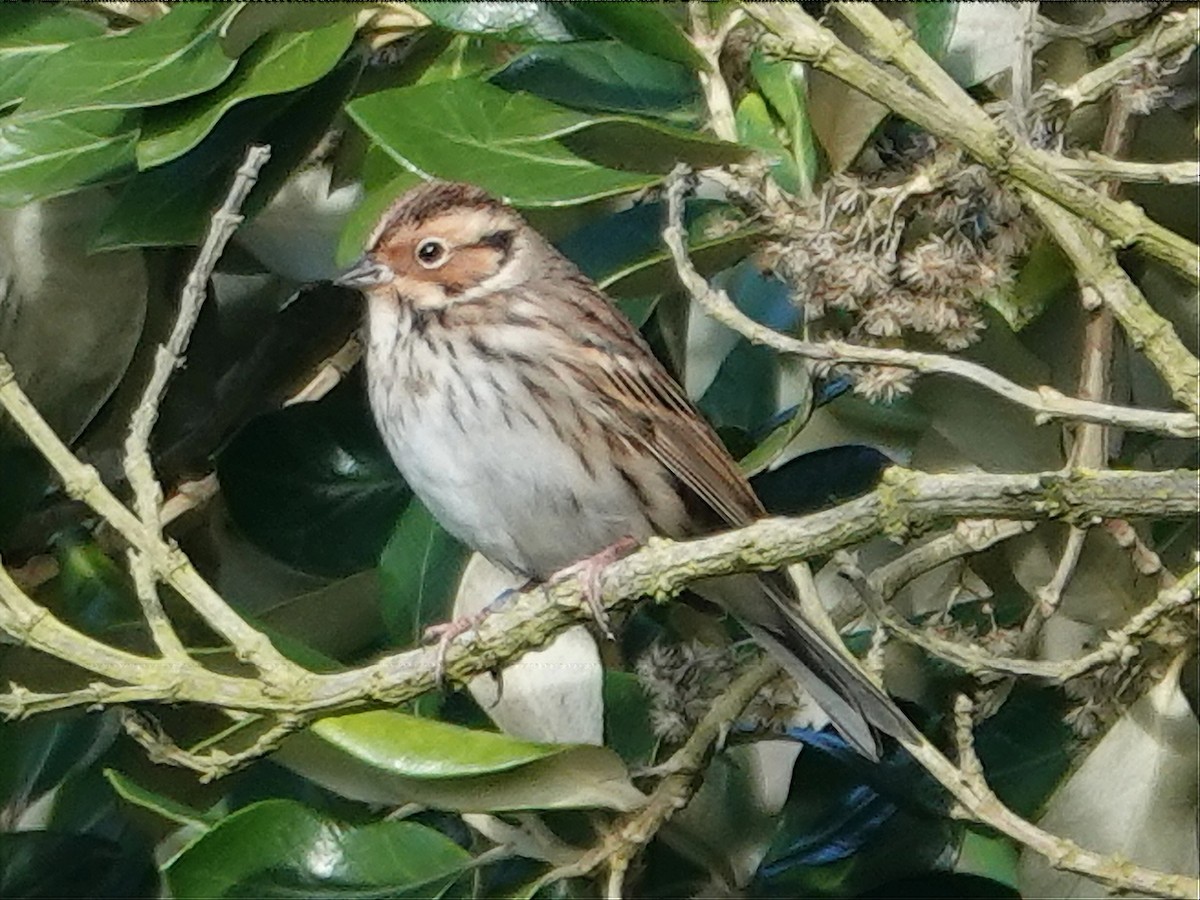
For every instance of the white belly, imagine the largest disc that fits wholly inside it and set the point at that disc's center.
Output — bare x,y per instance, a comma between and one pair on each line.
504,485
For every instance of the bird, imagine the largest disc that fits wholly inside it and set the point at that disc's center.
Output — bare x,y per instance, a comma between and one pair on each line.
536,425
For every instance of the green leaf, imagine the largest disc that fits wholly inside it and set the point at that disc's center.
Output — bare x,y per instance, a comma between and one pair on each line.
40,753
169,809
44,154
172,203
426,748
932,24
783,84
468,131
392,757
624,254
254,20
281,848
756,128
313,485
43,864
280,63
607,76
522,23
92,592
627,726
643,26
166,59
1043,278
29,33
419,571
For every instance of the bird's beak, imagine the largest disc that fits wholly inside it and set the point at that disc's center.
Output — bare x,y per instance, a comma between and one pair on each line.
365,273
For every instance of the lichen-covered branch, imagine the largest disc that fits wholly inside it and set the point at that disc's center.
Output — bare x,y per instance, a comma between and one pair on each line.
905,504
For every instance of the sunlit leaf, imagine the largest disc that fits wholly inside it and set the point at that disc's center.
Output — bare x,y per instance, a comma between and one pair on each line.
281,848
29,33
166,59
277,64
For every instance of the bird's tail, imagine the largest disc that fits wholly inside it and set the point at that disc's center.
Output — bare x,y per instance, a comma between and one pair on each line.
857,707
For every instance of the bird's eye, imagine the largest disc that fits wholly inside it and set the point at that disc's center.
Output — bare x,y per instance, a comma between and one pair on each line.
431,253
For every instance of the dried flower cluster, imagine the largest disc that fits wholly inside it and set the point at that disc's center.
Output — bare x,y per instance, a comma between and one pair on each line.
682,680
908,254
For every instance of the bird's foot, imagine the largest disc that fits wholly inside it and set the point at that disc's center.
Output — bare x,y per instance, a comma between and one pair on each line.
588,571
445,632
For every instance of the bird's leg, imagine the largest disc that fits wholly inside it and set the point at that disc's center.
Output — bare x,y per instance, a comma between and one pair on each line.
589,570
445,632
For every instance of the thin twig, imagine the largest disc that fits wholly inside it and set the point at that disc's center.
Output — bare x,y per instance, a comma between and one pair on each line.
214,764
1047,403
1120,646
1174,33
683,770
139,468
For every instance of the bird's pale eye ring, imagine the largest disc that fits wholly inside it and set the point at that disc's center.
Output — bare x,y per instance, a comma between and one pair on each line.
432,253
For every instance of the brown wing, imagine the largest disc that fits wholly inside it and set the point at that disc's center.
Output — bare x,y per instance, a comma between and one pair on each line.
687,447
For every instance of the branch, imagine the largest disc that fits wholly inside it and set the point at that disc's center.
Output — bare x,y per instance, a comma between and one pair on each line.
1176,32
955,117
1097,268
1121,645
683,771
1097,165
82,482
1047,403
906,502
966,784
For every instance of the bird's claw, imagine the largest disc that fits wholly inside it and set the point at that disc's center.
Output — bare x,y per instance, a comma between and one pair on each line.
589,572
444,633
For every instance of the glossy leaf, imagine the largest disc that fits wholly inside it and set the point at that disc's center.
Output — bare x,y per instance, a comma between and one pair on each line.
608,76
513,144
91,591
1044,277
624,254
523,23
44,154
166,59
644,26
392,757
756,128
849,826
784,85
313,485
418,572
29,33
627,728
254,20
281,848
426,748
40,753
277,64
